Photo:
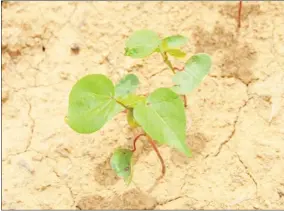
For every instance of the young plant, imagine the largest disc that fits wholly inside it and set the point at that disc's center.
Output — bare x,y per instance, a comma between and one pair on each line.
94,100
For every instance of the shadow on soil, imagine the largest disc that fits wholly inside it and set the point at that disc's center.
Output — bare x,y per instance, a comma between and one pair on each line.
231,10
238,56
104,175
133,199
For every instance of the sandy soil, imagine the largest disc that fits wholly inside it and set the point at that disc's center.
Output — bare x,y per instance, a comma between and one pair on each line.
237,114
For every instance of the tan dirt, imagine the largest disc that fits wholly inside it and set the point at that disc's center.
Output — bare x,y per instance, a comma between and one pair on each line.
237,114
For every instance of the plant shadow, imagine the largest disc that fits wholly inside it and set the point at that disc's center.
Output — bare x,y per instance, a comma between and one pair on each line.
197,144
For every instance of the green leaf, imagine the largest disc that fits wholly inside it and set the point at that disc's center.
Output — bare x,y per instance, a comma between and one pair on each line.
176,53
131,100
173,42
162,116
126,85
121,162
91,103
196,68
142,43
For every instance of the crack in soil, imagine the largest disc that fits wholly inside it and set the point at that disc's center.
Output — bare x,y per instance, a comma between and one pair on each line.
237,116
71,194
29,140
238,113
32,127
165,202
248,172
66,184
234,128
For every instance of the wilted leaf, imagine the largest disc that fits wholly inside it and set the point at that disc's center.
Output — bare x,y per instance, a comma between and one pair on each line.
142,43
196,68
91,103
162,116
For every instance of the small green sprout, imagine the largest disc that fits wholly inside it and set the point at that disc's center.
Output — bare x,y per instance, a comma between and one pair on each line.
94,100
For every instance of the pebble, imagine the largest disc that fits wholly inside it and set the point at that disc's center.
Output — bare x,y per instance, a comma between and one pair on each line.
75,49
37,157
64,75
14,52
42,187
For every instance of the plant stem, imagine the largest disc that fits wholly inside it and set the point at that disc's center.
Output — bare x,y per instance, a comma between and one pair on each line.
179,69
120,103
239,13
155,149
160,157
167,61
135,140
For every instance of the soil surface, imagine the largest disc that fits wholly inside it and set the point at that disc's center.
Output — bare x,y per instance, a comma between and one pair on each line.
237,114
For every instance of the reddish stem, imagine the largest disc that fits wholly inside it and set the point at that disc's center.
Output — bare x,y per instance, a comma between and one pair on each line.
135,140
178,69
240,12
155,149
160,157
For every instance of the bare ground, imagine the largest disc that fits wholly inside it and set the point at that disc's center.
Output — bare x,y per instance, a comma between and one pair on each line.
237,114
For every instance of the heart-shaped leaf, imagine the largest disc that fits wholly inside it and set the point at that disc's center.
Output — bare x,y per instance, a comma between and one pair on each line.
176,53
162,116
121,162
91,103
196,68
126,85
142,43
173,42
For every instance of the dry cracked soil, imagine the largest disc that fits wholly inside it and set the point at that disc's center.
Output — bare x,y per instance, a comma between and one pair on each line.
235,118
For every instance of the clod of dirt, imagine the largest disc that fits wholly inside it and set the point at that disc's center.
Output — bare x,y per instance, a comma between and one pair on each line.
75,49
14,52
4,46
63,151
64,75
104,58
42,187
37,157
5,95
4,4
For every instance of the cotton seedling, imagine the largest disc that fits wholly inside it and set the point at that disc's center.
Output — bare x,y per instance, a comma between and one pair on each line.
95,99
